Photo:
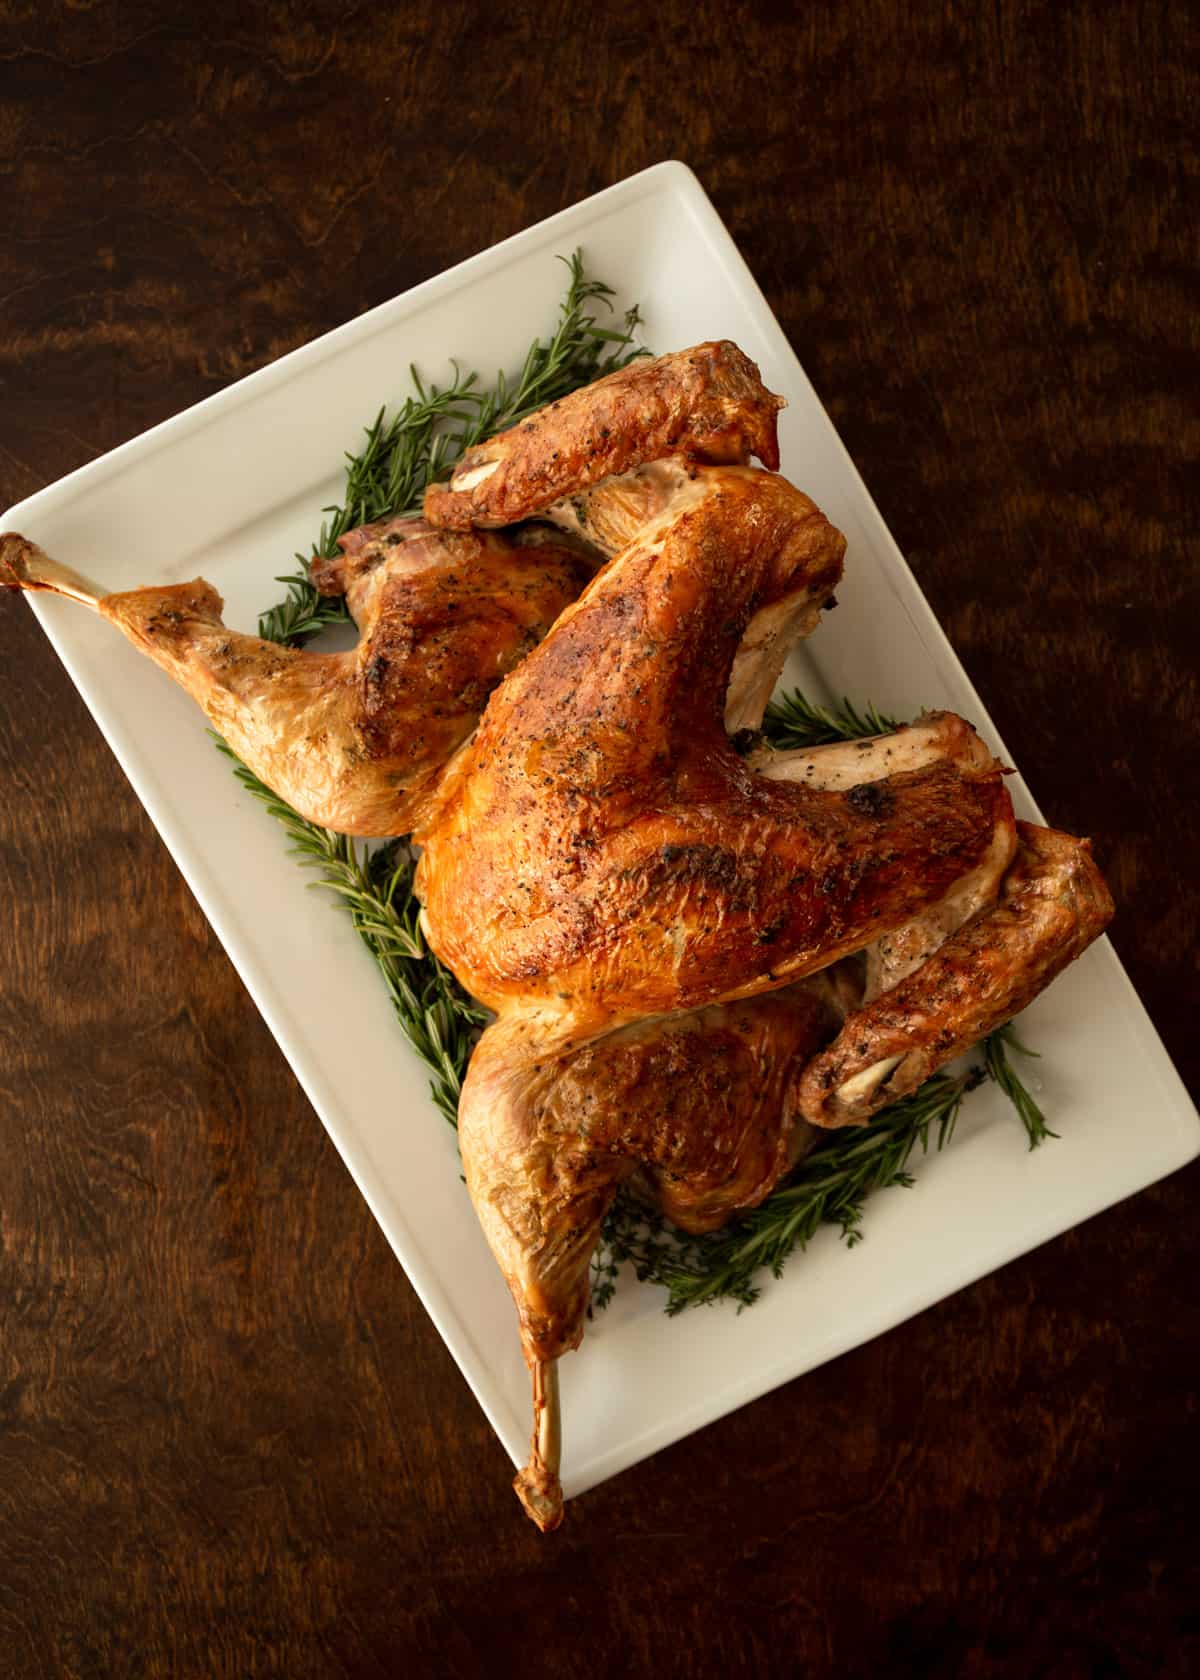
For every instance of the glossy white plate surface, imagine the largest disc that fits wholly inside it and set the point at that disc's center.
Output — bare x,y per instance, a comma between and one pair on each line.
274,443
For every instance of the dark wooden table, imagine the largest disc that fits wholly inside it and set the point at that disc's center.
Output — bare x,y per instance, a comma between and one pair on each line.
230,1441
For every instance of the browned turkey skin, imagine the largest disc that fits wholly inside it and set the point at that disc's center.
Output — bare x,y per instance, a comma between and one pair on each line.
700,1105
564,1099
600,848
353,740
699,1109
634,900
705,404
1053,902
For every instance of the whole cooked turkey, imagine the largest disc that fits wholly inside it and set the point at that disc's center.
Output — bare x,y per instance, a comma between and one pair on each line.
671,936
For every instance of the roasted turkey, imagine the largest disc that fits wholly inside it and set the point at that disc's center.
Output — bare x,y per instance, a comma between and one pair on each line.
351,740
655,919
354,740
695,959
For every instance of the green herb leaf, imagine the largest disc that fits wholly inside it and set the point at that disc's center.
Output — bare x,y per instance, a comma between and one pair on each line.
995,1055
439,1019
792,722
829,1187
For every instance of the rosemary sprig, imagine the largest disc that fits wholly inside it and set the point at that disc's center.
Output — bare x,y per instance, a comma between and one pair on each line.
302,613
438,1018
829,1187
792,722
419,443
995,1054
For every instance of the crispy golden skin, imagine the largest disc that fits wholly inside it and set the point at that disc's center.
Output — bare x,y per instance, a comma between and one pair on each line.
638,903
353,740
646,912
701,1106
600,847
1053,902
705,404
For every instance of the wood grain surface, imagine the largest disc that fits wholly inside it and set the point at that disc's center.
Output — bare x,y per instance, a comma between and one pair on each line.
231,1443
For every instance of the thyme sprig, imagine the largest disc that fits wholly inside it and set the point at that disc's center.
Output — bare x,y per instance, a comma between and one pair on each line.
419,443
402,454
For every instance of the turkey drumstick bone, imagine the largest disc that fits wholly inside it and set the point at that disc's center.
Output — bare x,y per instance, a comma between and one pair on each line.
23,565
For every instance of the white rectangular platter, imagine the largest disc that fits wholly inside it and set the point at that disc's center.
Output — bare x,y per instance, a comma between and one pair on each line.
274,444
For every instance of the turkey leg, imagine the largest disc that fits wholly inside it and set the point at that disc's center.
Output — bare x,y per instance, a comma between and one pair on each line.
353,741
537,1485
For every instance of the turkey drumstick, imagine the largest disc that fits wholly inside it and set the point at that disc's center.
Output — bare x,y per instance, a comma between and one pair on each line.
354,741
351,740
697,1109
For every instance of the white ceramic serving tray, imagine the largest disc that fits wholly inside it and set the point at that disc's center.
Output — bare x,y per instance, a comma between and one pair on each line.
274,445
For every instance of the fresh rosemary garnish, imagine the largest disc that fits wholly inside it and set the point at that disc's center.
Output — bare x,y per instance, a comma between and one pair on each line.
419,443
302,613
792,722
439,1019
995,1055
829,1187
414,447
